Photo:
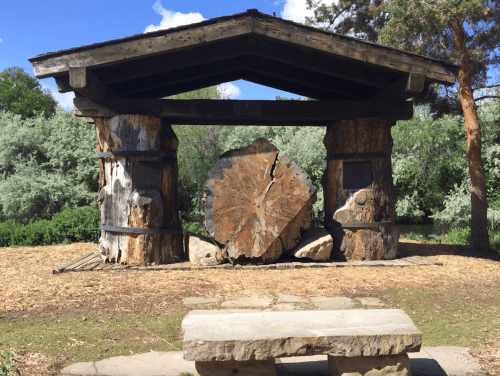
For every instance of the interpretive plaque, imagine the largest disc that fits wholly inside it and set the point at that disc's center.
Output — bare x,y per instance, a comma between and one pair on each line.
145,175
357,175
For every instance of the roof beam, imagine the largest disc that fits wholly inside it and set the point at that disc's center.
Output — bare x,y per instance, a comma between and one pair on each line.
82,80
406,87
242,112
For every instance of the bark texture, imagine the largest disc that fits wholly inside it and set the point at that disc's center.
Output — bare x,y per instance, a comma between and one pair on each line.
121,205
367,205
256,205
479,239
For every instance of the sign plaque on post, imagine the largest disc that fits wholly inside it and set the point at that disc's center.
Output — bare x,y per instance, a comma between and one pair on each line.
145,175
357,175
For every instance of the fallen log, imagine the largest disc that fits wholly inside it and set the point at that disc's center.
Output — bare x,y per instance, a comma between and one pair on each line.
256,204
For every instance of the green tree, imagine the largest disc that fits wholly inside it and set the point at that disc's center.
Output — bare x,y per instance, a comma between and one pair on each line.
465,32
46,165
22,94
199,149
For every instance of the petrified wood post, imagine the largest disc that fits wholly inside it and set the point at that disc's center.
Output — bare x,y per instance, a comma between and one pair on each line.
138,199
359,194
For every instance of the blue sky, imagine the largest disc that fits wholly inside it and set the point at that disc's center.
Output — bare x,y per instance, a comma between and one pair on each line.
29,28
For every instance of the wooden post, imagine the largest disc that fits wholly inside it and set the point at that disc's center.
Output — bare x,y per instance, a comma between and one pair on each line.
360,210
138,199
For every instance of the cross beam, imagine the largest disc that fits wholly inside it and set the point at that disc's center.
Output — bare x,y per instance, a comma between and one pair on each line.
244,112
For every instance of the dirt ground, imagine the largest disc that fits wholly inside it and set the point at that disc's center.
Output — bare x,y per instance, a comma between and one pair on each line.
27,286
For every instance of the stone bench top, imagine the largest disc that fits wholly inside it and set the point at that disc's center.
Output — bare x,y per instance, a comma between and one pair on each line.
276,334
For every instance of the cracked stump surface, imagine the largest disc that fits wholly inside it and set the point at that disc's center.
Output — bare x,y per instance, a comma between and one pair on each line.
256,204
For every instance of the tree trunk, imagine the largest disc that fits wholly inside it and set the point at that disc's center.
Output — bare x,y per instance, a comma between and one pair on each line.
479,240
137,197
256,205
360,210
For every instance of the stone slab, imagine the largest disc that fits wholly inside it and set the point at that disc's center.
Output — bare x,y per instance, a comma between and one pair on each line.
196,300
371,301
284,298
454,361
275,334
251,301
290,306
337,302
171,363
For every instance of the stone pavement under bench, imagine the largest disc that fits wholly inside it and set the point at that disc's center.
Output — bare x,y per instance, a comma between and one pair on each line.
430,361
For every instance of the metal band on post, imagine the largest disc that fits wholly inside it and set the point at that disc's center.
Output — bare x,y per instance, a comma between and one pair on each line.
138,153
357,155
140,230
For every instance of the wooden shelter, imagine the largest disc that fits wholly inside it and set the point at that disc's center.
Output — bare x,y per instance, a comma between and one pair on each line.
360,89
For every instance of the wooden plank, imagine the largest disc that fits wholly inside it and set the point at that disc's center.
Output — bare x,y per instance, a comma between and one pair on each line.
244,24
86,83
108,266
61,268
227,112
92,265
100,266
407,87
357,51
85,261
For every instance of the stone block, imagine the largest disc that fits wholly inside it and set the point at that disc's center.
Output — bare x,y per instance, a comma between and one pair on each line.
316,243
275,334
233,367
388,365
201,250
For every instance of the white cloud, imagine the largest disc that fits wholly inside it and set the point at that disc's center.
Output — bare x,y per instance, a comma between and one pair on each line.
228,90
0,40
171,19
65,100
296,10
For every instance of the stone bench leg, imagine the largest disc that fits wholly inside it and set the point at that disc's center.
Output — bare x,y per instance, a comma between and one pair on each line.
234,367
390,365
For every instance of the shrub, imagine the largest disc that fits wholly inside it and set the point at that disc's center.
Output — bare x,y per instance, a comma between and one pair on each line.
70,225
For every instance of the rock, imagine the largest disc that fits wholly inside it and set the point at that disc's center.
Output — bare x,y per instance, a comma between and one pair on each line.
389,365
202,251
316,243
256,204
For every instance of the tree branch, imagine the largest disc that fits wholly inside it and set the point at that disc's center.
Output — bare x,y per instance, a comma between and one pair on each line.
486,87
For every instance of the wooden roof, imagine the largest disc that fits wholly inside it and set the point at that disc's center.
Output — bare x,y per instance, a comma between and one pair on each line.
252,46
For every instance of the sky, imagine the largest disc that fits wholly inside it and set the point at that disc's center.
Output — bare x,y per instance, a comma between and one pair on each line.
29,28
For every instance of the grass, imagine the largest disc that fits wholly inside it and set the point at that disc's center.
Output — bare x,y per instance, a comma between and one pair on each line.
451,318
91,337
436,233
7,368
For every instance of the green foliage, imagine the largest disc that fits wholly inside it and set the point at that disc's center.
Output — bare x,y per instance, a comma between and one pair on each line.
430,168
7,368
199,149
458,235
70,225
195,227
428,161
45,165
22,94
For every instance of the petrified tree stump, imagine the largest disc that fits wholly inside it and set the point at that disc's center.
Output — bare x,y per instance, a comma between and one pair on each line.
256,205
359,194
138,200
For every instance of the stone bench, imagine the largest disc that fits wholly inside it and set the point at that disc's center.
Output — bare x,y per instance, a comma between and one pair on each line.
358,342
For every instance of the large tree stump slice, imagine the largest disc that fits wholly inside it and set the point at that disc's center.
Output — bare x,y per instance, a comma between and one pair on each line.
352,141
256,204
153,206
